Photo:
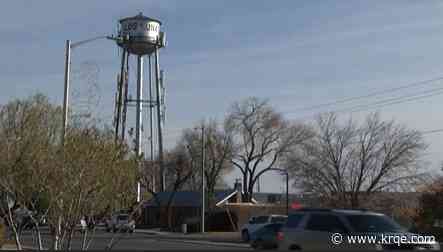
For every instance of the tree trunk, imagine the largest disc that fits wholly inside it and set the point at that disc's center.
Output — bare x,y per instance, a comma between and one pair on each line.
245,196
39,237
69,242
250,190
85,235
57,240
14,229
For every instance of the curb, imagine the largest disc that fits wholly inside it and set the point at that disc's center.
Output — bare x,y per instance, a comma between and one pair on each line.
149,232
210,243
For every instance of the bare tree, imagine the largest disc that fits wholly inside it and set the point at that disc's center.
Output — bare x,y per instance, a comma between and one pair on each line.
218,154
261,138
346,161
178,171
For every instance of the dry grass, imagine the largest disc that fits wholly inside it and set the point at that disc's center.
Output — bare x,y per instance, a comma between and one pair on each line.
2,234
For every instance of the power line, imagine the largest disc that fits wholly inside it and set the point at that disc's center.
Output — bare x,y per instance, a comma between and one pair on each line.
432,131
413,98
369,106
365,107
376,93
382,103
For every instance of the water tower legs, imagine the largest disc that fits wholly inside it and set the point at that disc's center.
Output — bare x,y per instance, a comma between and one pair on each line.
159,121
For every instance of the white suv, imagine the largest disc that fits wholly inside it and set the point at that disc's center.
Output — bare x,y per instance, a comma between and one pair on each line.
335,229
257,222
120,222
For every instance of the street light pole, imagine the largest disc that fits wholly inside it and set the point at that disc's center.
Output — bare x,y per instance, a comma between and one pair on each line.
287,193
285,172
203,179
69,47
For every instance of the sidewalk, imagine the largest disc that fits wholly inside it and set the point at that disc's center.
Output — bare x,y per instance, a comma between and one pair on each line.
213,238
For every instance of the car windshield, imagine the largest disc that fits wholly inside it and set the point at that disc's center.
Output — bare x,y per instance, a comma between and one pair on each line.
270,228
261,219
278,219
294,220
373,223
274,227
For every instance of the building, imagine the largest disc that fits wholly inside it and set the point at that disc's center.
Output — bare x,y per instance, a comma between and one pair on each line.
226,212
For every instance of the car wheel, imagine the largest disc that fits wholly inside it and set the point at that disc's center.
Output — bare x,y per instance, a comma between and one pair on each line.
245,235
295,247
259,245
253,245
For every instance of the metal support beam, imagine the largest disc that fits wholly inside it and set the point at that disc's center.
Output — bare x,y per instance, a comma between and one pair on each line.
151,124
139,117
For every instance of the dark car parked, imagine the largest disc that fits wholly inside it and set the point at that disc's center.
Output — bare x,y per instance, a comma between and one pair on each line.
266,237
328,229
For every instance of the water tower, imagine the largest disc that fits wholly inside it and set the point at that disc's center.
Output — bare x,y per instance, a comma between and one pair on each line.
141,36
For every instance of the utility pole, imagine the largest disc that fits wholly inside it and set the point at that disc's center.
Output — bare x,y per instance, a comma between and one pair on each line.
120,95
203,179
66,89
287,193
125,100
160,124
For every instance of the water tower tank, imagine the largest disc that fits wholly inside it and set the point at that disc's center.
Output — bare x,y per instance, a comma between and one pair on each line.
140,34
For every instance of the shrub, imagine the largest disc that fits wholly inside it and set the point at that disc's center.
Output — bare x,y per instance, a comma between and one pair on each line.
431,211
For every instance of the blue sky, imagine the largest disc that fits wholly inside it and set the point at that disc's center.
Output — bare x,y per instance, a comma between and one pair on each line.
296,53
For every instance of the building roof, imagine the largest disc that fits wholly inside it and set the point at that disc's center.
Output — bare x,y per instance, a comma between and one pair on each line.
185,198
278,197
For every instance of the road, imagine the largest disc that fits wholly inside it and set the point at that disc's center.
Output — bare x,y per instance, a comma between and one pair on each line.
137,241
